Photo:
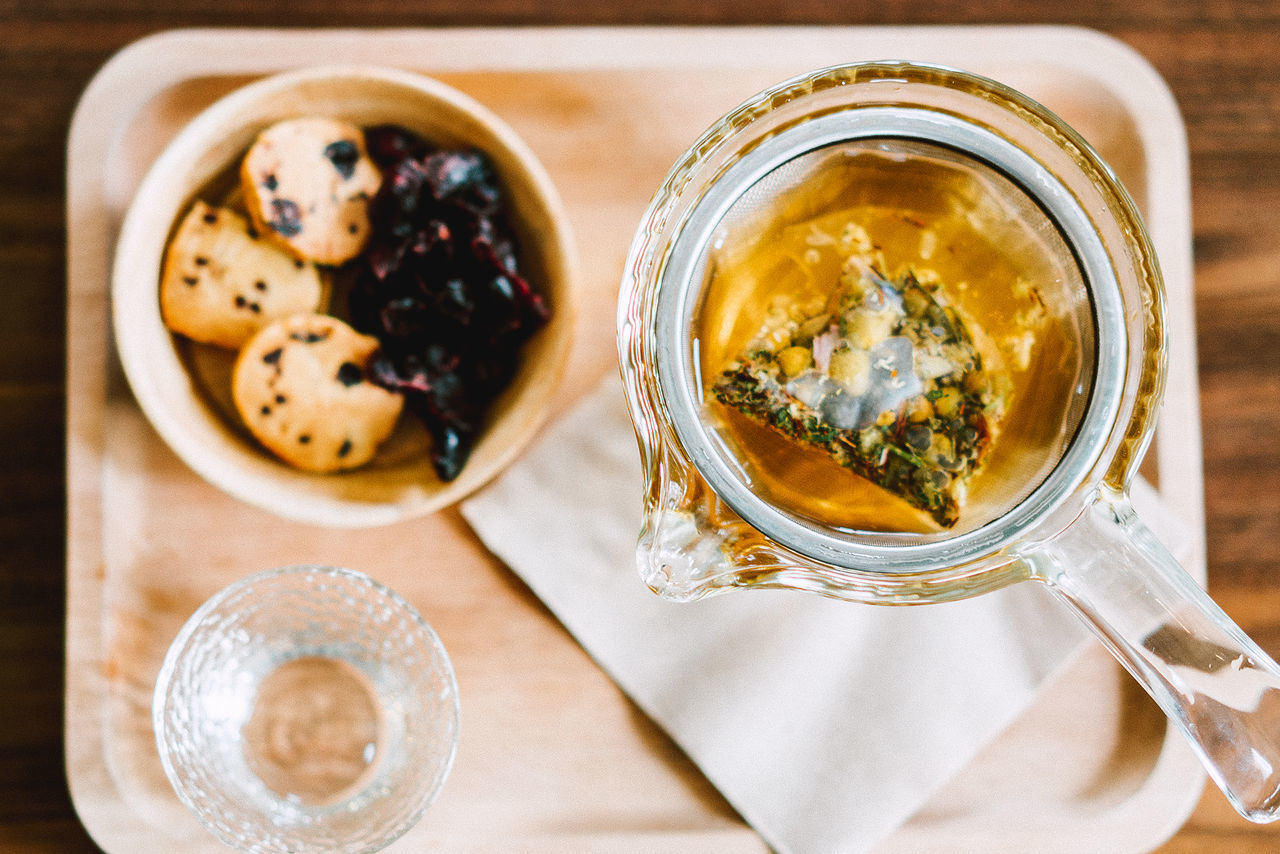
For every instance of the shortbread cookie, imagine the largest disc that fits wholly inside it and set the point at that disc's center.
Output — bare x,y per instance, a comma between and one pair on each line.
307,184
220,285
300,387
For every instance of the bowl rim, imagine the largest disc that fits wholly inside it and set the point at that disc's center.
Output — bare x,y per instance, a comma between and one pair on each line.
200,437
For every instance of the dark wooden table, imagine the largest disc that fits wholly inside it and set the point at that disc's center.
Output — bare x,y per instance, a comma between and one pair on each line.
1221,59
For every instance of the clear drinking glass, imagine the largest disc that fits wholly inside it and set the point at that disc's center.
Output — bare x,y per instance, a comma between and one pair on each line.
1055,509
306,709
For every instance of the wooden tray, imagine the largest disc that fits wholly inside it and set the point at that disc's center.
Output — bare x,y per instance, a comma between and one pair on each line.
553,757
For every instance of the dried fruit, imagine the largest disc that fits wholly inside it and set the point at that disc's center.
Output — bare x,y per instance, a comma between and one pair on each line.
440,288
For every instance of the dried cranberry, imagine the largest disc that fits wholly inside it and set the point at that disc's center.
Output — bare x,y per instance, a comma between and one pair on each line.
451,172
403,317
389,144
441,290
452,450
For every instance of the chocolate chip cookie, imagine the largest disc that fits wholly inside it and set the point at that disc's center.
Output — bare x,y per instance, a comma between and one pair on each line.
300,387
220,284
307,184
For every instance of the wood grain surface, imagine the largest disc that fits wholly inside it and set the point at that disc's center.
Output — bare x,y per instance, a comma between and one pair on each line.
1219,58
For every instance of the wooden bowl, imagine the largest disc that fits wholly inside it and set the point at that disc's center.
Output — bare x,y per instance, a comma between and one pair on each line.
184,388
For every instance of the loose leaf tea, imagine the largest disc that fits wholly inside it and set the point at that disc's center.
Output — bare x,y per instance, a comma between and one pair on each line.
883,377
440,288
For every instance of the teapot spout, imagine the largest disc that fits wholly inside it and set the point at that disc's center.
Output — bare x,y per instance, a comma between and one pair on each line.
680,560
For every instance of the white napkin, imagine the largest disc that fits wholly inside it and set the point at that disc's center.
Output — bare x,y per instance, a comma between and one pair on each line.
826,724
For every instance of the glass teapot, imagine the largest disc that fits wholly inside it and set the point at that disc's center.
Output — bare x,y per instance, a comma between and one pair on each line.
726,256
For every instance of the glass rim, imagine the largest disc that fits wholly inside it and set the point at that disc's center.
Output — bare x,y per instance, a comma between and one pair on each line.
175,659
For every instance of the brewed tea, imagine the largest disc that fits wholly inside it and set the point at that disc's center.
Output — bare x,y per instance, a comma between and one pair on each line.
893,342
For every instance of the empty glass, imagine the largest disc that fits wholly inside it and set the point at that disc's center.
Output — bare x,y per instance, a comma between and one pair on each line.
306,708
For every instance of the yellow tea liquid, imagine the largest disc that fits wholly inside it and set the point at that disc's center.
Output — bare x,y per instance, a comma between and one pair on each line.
1003,267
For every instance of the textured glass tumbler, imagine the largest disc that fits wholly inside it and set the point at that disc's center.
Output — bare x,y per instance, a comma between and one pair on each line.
306,708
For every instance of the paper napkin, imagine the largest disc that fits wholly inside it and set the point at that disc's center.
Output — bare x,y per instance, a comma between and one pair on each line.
826,724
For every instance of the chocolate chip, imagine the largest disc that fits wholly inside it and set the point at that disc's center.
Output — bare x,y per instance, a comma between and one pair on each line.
241,302
260,285
309,337
344,448
265,410
280,398
343,154
286,218
353,229
304,439
191,280
273,356
210,218
271,183
255,308
297,263
349,374
201,260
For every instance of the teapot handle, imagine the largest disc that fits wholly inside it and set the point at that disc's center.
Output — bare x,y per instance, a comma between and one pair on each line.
1219,688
